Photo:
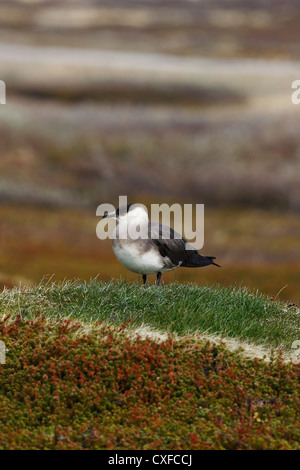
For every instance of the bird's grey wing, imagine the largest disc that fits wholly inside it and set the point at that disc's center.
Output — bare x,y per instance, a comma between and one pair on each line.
170,243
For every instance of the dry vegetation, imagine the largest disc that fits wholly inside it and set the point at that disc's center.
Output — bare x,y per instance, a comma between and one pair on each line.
86,154
211,28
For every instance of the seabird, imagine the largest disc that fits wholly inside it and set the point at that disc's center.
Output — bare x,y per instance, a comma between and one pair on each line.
158,248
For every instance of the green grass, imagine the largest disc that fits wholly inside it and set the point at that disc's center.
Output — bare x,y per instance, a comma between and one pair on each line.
175,308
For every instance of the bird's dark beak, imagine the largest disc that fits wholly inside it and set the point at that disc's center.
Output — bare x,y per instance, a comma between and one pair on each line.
109,215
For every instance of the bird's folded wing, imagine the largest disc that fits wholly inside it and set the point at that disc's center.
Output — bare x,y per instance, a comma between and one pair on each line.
170,243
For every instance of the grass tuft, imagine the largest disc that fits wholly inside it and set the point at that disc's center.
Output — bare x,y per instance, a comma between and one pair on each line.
175,308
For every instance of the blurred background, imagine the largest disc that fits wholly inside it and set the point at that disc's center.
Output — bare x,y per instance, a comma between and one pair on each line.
162,101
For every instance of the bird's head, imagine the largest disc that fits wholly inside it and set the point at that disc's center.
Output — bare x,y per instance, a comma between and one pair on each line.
130,212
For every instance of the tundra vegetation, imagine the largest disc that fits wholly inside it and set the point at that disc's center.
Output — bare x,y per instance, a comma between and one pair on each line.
83,372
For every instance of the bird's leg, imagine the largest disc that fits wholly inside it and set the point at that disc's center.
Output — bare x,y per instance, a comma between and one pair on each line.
144,279
158,276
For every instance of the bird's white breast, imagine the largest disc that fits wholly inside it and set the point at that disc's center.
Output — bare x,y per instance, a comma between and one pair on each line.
134,259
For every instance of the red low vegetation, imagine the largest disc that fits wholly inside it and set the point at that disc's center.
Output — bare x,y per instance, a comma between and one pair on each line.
63,389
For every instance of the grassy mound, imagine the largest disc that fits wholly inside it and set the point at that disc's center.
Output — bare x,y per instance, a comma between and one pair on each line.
176,308
76,377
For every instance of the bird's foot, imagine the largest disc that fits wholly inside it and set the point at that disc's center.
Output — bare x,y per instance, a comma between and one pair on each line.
158,277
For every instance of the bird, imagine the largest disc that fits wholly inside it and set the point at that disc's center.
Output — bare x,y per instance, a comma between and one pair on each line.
156,249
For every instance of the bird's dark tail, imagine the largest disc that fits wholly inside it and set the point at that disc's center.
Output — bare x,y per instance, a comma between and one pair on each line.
197,261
